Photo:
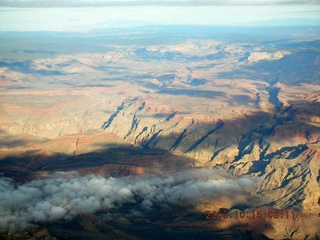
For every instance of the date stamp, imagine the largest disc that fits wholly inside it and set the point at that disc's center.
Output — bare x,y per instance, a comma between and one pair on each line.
253,214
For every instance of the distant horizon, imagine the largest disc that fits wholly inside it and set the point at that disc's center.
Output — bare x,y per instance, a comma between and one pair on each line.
272,23
83,16
281,23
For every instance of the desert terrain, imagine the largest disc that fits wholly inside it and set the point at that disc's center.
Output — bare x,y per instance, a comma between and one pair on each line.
196,122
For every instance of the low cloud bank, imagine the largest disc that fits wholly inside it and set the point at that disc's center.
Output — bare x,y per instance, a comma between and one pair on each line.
64,196
86,3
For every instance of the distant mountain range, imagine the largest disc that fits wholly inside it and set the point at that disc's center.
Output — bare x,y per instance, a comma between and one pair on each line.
283,22
288,22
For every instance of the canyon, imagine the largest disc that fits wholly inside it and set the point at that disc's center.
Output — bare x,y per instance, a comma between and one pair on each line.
244,108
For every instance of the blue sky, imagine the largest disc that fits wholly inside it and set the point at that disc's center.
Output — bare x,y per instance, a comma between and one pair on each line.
83,15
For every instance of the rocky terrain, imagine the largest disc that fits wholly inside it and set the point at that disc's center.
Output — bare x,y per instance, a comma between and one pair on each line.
248,109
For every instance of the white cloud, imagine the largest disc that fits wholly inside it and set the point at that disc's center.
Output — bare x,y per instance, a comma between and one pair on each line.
63,197
82,3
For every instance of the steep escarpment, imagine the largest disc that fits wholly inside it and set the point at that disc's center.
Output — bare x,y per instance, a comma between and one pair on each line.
276,144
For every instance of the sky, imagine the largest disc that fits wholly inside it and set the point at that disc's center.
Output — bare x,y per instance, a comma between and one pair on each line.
85,15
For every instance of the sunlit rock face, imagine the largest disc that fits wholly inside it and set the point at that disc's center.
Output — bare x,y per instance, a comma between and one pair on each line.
248,109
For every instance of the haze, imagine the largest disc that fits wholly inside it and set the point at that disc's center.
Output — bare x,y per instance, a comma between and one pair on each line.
89,15
142,119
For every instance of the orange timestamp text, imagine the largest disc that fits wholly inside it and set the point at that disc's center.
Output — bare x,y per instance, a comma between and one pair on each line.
254,214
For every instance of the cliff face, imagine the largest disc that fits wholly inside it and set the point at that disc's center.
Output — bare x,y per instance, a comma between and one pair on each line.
278,146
